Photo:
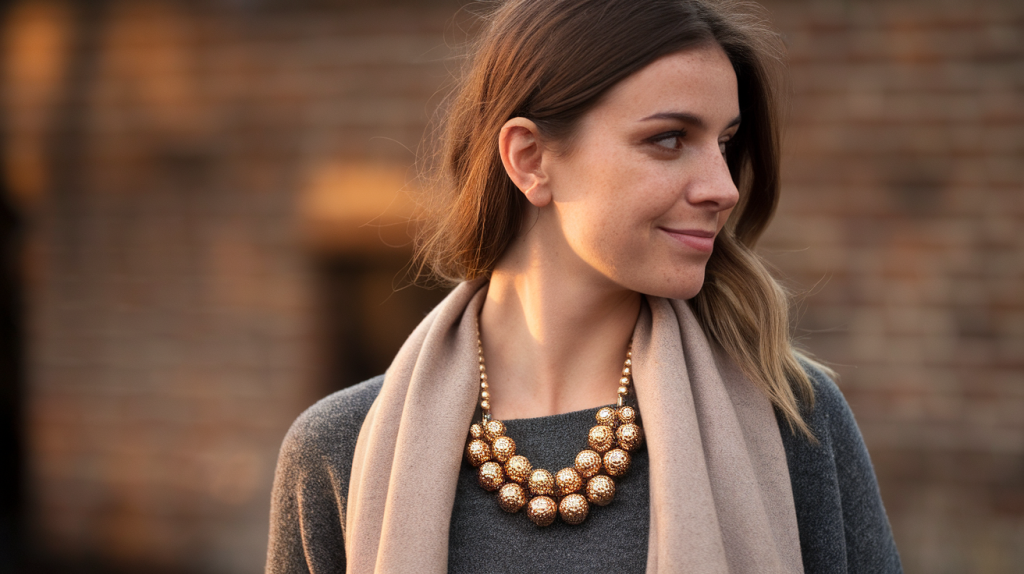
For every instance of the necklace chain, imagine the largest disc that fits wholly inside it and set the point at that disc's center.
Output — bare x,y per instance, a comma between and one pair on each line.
569,492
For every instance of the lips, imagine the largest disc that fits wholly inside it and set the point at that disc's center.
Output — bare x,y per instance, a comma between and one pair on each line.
697,239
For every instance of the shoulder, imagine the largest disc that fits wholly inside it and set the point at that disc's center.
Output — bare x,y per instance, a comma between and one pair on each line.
831,422
307,505
830,418
827,417
331,426
842,522
828,399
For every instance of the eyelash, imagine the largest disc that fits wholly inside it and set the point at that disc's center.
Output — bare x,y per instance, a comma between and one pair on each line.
678,135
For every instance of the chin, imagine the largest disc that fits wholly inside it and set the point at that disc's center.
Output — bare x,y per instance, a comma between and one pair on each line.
676,288
684,294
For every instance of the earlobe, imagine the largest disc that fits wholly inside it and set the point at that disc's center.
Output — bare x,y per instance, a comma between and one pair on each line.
521,151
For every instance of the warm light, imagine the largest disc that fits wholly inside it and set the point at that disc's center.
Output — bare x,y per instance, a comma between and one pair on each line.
357,207
35,57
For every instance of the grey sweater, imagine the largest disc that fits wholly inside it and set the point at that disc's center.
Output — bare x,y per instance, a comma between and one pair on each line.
842,523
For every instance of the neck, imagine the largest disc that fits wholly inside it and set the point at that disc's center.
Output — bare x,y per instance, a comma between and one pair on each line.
553,342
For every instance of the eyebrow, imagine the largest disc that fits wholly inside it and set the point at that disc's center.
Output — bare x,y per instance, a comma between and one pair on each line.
687,118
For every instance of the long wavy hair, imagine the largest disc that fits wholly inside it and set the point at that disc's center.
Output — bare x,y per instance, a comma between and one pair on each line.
550,61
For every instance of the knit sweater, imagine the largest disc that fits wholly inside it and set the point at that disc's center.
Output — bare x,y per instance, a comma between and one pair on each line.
842,523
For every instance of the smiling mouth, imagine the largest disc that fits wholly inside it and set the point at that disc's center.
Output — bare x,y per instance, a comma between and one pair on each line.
697,239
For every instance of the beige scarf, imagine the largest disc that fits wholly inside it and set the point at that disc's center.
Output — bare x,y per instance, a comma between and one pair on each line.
719,485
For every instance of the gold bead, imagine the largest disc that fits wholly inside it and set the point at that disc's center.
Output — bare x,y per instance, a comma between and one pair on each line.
601,438
482,369
541,483
629,362
503,448
629,354
490,476
626,371
567,481
616,462
494,428
485,405
624,381
511,497
477,452
588,463
518,468
483,377
476,431
630,437
485,395
483,385
600,490
573,508
606,416
542,510
627,415
623,390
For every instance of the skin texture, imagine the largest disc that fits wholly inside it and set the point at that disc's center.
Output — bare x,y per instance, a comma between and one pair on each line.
632,208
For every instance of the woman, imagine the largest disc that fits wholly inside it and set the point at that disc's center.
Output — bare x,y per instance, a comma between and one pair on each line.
608,166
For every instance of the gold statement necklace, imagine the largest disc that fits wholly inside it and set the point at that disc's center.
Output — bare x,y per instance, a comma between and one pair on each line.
570,491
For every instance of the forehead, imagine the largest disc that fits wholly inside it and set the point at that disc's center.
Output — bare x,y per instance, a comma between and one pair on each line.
699,81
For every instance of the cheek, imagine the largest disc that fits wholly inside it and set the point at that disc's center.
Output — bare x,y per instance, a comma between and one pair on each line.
723,217
605,234
616,215
609,200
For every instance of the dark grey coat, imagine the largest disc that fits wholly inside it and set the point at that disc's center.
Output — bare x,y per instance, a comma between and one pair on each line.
843,526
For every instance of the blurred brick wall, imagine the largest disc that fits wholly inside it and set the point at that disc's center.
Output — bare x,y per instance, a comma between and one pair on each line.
902,219
175,321
161,150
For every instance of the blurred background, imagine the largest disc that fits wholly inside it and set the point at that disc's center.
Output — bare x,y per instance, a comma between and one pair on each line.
201,233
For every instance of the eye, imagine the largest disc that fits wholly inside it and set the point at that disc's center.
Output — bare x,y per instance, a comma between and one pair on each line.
725,145
669,140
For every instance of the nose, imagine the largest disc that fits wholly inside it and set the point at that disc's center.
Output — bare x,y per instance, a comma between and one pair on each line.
712,185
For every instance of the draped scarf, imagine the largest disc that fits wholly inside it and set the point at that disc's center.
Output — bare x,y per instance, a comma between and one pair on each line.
720,493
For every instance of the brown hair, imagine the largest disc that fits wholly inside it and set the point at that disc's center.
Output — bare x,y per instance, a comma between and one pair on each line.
551,61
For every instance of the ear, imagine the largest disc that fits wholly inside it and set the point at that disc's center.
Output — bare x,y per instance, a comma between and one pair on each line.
521,151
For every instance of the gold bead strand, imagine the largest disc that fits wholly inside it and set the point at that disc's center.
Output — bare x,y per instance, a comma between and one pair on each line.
485,394
627,375
570,493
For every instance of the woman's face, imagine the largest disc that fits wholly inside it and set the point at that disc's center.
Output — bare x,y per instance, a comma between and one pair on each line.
645,188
